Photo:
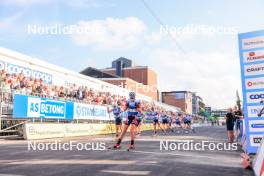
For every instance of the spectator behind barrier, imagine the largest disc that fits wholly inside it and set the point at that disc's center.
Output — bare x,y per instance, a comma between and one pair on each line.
37,87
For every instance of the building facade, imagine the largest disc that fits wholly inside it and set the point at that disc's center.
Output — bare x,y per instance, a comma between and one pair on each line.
124,73
201,104
181,99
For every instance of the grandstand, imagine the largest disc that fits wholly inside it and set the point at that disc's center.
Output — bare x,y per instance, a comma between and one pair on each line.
31,77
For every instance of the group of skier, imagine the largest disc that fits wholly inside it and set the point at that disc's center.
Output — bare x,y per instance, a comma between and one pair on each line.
133,113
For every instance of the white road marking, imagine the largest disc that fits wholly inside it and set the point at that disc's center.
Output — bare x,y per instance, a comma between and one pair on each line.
9,175
127,172
77,161
173,154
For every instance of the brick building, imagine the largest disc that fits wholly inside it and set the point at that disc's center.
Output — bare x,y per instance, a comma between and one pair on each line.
181,99
125,73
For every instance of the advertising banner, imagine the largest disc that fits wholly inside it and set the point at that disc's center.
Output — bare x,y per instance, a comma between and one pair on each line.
251,52
33,131
36,107
28,72
258,165
88,111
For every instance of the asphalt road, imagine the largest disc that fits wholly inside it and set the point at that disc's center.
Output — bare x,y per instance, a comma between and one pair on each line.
146,159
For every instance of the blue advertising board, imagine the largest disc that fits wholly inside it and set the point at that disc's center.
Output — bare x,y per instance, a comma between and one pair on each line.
251,52
36,107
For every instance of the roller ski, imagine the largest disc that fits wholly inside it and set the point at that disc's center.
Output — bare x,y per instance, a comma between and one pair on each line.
114,147
131,147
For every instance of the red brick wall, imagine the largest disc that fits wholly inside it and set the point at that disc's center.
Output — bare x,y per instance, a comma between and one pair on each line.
170,100
184,104
139,75
152,77
142,75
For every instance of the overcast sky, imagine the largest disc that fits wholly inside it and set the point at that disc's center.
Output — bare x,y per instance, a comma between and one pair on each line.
188,58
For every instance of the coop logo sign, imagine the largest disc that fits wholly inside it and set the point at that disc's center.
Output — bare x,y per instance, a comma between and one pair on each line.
256,96
16,69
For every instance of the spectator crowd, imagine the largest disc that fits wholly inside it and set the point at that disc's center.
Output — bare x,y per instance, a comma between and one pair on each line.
37,87
19,83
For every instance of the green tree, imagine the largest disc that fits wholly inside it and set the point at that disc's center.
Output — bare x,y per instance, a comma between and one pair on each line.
203,113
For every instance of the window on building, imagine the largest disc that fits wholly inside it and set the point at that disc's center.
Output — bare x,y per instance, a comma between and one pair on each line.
179,96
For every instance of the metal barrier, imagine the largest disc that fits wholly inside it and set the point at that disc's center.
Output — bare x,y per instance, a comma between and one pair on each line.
9,125
6,108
